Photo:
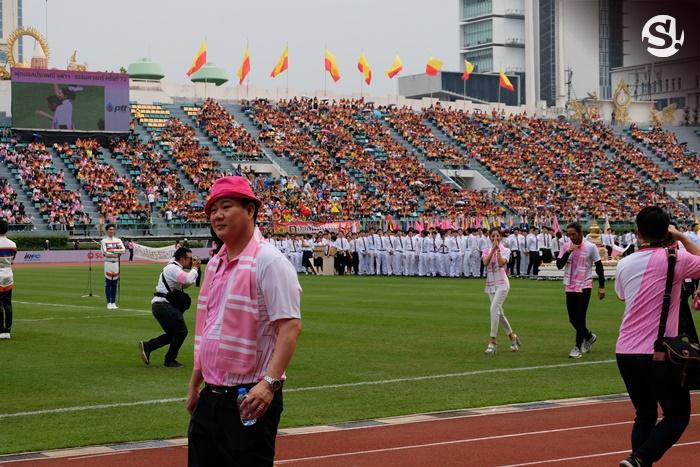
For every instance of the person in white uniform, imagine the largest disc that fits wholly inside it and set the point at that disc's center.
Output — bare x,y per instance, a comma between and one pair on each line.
112,248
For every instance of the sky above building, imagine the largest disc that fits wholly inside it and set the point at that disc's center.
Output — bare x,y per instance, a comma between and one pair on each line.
111,34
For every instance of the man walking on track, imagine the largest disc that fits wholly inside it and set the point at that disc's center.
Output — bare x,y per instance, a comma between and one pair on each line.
577,258
247,324
112,248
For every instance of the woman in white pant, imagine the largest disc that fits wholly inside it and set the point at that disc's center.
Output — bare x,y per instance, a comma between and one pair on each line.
495,260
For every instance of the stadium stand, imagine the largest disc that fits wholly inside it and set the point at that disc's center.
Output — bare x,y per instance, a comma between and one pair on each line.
115,195
355,161
665,145
222,128
32,166
551,167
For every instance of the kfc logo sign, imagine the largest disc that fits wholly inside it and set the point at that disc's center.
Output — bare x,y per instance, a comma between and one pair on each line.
659,36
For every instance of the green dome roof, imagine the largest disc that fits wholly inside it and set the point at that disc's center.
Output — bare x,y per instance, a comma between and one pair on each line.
210,73
145,69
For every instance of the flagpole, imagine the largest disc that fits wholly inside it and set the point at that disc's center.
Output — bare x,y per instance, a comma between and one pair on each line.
325,73
464,95
247,82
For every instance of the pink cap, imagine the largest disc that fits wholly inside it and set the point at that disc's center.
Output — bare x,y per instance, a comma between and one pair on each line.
230,187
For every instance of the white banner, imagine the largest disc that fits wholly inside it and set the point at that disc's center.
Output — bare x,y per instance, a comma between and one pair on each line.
165,253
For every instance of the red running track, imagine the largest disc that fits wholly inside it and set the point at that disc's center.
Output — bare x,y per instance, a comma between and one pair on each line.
590,434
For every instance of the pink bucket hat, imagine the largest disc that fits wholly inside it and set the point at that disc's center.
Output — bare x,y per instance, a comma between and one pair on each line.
230,187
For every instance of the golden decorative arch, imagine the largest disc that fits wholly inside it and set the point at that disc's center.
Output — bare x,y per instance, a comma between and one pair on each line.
9,49
621,102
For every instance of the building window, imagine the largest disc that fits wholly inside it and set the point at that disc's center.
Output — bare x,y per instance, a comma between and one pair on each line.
666,85
476,8
1,32
673,84
478,33
679,84
481,59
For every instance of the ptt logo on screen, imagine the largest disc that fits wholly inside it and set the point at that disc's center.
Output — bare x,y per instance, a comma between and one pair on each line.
659,36
117,108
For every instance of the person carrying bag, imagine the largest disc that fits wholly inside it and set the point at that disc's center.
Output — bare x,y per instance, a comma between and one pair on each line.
168,305
649,281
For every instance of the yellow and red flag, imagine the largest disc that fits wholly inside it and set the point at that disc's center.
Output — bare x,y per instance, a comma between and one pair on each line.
200,59
433,67
245,67
331,65
282,63
364,68
395,68
504,82
468,68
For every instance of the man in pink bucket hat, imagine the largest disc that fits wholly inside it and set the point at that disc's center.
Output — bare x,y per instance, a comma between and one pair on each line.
247,324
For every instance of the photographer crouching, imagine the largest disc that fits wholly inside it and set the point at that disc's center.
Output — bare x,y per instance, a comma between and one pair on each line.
169,304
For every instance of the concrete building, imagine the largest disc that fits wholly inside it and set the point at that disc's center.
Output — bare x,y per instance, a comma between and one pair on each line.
671,80
10,19
560,49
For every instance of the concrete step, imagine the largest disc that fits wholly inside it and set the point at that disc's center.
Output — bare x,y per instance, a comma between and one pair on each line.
434,166
22,196
284,163
72,184
686,134
474,164
683,183
204,140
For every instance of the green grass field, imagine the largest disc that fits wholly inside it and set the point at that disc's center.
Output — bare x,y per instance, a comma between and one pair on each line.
359,333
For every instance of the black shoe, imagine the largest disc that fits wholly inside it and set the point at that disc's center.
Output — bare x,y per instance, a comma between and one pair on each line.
631,461
145,353
173,364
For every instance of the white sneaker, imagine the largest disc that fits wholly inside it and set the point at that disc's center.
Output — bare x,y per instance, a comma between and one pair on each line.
490,350
588,343
575,353
115,306
5,335
110,306
515,344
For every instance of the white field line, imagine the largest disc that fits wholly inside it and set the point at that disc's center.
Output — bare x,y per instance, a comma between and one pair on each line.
475,440
309,388
84,307
590,456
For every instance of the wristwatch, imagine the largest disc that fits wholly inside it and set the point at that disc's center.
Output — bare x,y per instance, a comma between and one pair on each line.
275,384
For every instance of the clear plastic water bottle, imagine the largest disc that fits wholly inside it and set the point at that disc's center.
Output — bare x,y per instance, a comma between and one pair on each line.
242,394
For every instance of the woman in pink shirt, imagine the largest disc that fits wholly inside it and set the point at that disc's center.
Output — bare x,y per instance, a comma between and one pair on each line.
495,260
640,283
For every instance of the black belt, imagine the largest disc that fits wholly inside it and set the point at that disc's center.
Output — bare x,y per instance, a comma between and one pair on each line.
222,390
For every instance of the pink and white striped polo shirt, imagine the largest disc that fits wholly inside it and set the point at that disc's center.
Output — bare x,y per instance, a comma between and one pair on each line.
578,272
496,276
640,281
279,297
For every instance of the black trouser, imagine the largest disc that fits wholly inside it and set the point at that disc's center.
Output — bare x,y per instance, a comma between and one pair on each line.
534,263
341,262
514,263
609,249
131,254
218,438
173,323
6,311
648,384
577,306
355,262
